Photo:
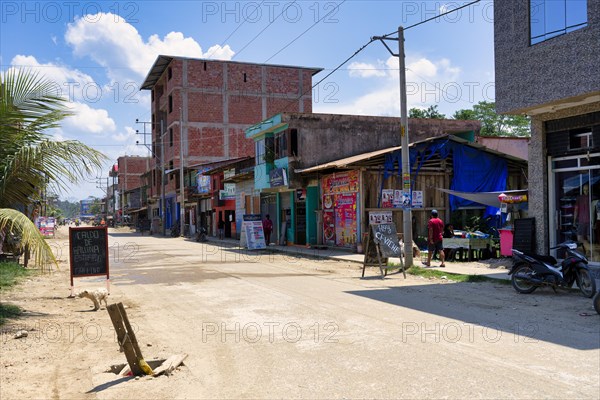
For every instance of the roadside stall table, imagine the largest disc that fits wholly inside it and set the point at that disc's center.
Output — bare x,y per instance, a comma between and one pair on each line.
469,244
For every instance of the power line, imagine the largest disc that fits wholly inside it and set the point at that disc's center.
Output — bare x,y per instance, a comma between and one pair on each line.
309,28
433,18
264,29
236,29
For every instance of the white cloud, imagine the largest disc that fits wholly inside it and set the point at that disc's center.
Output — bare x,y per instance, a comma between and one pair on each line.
429,82
70,83
89,120
116,45
129,134
366,70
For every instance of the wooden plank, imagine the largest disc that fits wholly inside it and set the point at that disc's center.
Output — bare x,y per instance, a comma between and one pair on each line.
170,364
124,335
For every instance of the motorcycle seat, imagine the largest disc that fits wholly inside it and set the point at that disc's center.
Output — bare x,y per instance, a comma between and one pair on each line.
545,259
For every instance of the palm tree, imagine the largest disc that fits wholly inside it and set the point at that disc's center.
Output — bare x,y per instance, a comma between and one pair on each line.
29,157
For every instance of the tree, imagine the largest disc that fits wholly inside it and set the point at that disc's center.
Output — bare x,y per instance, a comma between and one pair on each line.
493,124
431,113
30,160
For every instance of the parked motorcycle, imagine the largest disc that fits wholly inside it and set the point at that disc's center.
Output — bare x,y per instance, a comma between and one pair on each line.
202,235
530,271
175,231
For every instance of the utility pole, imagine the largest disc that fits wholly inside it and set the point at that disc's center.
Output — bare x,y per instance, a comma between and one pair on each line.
406,212
181,187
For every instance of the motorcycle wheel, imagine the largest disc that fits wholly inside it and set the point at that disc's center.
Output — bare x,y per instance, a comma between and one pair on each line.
597,302
586,283
520,279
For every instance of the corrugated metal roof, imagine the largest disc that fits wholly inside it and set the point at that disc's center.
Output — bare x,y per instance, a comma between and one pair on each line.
344,162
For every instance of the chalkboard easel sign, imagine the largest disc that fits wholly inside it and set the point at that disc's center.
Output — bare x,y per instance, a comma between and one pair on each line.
381,244
89,252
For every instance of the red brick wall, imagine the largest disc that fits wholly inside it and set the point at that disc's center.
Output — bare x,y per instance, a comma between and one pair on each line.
206,120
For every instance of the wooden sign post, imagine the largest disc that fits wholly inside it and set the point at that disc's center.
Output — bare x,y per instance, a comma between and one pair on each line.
88,248
382,243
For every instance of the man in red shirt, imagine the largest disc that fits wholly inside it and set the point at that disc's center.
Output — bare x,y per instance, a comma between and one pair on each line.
435,231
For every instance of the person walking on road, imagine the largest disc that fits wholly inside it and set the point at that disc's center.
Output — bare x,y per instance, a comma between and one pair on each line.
221,227
435,230
267,228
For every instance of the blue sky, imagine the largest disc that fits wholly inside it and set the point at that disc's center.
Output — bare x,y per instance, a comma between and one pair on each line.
99,54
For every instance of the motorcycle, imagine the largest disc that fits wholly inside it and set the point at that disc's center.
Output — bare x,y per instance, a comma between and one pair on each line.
202,235
530,271
175,231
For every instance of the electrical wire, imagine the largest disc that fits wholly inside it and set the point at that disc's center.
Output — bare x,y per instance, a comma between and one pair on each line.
308,29
264,29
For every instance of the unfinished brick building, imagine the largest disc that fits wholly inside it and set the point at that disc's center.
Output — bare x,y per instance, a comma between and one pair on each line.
206,105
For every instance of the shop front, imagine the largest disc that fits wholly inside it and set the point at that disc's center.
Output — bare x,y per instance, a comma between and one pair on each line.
574,203
340,192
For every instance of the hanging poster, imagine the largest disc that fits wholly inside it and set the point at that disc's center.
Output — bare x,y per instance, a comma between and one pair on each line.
387,198
328,227
345,219
380,217
341,182
417,199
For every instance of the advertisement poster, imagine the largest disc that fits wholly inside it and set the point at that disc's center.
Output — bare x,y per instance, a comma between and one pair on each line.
342,182
328,227
417,199
345,219
46,225
380,217
387,198
252,232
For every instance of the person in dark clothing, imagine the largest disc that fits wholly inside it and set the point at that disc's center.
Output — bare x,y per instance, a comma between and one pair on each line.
221,226
267,228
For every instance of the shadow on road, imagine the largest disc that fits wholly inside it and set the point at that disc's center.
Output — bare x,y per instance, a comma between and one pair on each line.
542,316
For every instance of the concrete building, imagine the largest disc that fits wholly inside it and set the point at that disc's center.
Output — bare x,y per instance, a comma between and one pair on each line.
290,142
129,170
547,67
206,105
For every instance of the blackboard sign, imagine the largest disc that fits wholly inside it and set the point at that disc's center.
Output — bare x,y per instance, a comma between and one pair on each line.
386,237
89,251
381,242
524,239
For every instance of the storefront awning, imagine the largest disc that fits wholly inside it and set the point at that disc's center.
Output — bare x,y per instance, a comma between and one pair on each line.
486,198
137,210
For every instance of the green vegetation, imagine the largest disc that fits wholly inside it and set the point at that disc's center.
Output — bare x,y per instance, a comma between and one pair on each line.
32,162
10,274
437,274
8,311
493,124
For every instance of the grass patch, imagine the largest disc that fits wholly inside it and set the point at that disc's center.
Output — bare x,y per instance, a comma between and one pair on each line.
8,311
11,273
432,273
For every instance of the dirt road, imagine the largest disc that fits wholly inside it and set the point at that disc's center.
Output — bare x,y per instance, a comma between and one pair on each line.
275,326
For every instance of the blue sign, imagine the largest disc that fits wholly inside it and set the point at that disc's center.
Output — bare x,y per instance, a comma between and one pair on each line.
278,177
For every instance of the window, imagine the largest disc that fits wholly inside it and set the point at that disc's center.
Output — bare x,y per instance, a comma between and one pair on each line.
281,144
259,147
550,18
170,103
580,139
170,137
169,73
293,142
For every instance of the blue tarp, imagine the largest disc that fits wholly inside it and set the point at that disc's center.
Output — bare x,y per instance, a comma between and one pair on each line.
474,170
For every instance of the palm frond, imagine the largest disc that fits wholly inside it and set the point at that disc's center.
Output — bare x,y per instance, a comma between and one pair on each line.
16,222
